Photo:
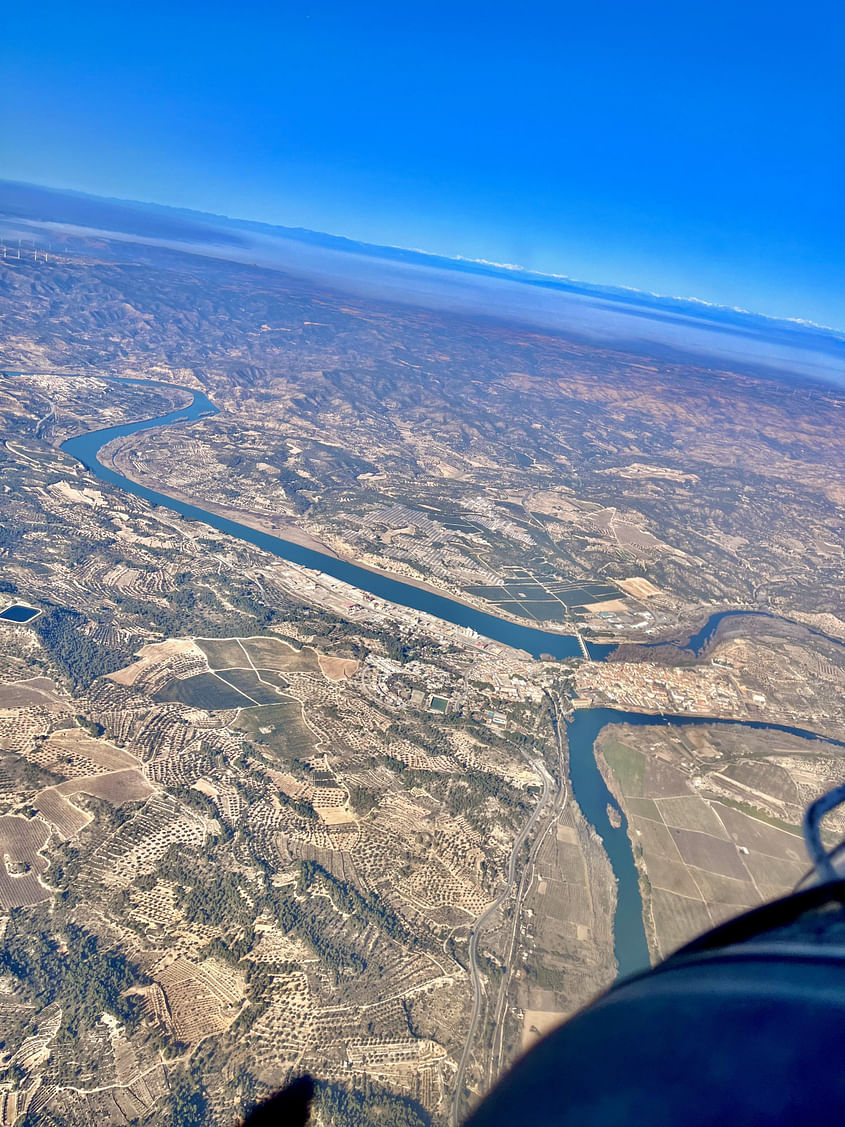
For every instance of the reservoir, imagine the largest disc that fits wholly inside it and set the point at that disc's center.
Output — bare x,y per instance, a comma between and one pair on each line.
589,788
17,612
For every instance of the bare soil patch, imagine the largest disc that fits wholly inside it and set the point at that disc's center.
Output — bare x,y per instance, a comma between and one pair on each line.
759,837
615,605
639,588
116,787
537,1023
714,854
335,815
78,744
26,695
337,668
150,656
273,653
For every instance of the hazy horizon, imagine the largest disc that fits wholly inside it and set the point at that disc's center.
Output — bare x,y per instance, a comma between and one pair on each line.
622,318
516,270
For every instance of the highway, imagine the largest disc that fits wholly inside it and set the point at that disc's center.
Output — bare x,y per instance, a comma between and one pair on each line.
498,1048
482,921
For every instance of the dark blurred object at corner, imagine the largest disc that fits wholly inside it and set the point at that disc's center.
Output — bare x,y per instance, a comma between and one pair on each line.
289,1108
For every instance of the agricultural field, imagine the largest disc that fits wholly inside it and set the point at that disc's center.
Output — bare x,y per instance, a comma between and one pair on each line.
543,598
264,654
714,816
280,729
22,863
206,691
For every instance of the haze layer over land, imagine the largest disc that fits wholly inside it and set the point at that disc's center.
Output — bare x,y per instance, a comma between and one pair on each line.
619,317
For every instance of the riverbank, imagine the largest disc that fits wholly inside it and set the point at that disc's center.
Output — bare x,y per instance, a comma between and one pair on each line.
531,640
114,455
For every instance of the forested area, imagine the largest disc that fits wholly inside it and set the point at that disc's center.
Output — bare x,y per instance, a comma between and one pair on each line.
348,900
73,970
367,1105
79,658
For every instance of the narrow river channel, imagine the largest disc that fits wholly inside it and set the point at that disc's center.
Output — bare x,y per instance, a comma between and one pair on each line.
588,786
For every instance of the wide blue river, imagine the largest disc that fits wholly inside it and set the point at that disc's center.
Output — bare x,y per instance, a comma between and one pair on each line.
588,786
85,447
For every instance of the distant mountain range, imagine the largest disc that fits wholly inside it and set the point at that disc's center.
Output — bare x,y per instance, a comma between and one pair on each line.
606,312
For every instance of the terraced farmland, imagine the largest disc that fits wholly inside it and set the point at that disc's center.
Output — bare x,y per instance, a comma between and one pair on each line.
21,861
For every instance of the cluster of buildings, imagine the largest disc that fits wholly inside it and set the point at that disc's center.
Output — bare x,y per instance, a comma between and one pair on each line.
647,687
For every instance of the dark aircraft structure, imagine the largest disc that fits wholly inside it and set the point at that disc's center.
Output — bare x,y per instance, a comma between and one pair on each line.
743,1026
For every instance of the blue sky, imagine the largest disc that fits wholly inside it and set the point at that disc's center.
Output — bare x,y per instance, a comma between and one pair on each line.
695,149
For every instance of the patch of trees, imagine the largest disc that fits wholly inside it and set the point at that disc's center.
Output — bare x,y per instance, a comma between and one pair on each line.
42,1118
489,966
79,658
79,974
36,776
184,616
399,651
299,806
215,899
65,868
187,1104
362,799
304,919
457,952
367,1105
392,764
260,976
548,978
232,950
295,487
368,909
90,726
477,786
10,539
205,806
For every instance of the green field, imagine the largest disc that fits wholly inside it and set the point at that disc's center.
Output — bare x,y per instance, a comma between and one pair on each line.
203,691
287,736
626,764
222,653
275,679
265,653
247,682
770,820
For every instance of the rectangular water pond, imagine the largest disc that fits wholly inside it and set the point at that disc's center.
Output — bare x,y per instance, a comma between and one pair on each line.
17,612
